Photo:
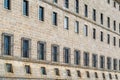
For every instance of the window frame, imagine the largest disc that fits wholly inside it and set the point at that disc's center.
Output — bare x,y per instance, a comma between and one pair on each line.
58,52
22,46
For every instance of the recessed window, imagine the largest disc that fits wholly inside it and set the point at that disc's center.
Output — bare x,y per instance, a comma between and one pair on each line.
55,1
68,72
66,3
86,10
27,69
115,64
55,53
101,18
7,46
25,8
114,24
110,76
116,76
41,13
7,4
119,43
66,55
94,15
108,22
66,23
119,27
9,68
103,75
86,59
57,72
119,65
77,57
41,50
96,75
108,1
85,30
78,73
54,18
88,74
43,71
102,61
76,27
108,63
77,6
114,41
108,38
114,4
101,36
94,33
26,47
94,60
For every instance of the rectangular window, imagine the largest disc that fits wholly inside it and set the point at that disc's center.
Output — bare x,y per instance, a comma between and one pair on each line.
102,61
25,48
119,27
76,27
96,75
88,74
103,75
55,1
108,22
66,3
77,57
77,6
114,41
54,18
41,50
86,10
55,53
108,1
115,64
114,4
9,68
57,72
114,24
108,38
27,69
66,55
66,23
43,71
78,73
119,65
94,14
108,63
41,13
85,30
68,72
94,60
119,43
101,36
94,33
116,76
7,43
25,8
101,18
86,59
110,76
7,4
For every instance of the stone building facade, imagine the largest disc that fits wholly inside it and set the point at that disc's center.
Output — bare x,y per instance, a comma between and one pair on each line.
60,40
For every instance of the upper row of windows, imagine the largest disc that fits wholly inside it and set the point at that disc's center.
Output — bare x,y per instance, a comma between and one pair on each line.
66,23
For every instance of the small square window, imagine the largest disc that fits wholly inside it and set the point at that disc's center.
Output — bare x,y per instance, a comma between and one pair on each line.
9,68
96,75
43,71
78,73
68,73
57,72
88,74
27,69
